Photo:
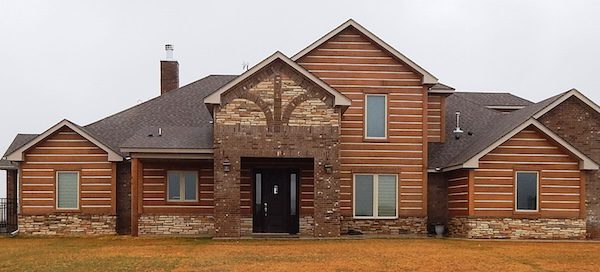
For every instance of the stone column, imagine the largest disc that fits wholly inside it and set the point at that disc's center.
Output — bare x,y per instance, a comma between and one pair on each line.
227,195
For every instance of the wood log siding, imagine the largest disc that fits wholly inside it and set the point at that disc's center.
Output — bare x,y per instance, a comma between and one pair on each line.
458,193
66,150
154,188
435,118
356,66
560,180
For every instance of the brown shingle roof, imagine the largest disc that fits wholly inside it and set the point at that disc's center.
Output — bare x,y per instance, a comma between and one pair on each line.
485,126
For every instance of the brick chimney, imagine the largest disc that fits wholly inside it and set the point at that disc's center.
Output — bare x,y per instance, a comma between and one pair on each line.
169,72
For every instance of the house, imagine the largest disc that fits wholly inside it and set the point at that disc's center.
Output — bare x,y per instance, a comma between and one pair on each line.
348,135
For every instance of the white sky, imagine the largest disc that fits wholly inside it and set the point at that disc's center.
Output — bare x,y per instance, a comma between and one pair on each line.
84,60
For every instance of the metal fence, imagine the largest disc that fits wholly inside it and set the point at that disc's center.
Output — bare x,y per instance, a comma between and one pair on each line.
8,215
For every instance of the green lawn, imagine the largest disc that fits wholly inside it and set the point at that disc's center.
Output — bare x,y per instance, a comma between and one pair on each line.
187,254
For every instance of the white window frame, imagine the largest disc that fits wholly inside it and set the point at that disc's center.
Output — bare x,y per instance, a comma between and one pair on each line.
58,193
385,121
375,196
537,188
182,186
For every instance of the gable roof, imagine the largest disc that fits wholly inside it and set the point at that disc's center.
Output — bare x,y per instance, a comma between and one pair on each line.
585,162
19,141
17,155
182,108
428,78
339,98
459,153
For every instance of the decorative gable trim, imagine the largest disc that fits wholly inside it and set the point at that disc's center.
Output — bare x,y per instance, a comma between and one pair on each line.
428,78
585,163
17,155
339,98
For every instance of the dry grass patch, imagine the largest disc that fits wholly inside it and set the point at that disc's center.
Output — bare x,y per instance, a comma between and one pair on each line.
181,254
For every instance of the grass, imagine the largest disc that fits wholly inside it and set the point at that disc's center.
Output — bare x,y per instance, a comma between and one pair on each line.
122,253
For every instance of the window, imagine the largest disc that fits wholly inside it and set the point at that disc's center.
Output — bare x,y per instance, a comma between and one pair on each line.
376,116
527,191
375,196
67,190
182,186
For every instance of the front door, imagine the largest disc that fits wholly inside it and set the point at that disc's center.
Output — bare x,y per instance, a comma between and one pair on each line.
275,201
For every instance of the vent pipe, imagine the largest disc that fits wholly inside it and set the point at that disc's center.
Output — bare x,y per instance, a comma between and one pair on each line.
458,129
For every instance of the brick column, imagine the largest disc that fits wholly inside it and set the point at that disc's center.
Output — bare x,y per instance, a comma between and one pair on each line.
327,194
136,167
11,195
227,196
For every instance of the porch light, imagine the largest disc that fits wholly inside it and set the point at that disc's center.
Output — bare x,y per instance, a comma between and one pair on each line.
328,168
226,165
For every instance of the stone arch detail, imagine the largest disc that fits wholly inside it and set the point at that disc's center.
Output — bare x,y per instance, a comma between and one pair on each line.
291,106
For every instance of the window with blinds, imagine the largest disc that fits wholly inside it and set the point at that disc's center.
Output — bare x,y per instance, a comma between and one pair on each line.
376,116
182,185
67,190
375,196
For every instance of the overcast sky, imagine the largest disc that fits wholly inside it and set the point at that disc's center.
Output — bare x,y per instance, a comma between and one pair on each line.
84,60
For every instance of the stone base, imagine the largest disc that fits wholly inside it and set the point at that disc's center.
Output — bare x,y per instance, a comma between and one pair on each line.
509,228
67,224
176,224
403,225
307,226
246,226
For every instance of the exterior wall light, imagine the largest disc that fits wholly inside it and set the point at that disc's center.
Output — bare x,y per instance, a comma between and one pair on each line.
226,165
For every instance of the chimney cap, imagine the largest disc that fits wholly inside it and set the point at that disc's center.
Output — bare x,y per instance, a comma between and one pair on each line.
169,50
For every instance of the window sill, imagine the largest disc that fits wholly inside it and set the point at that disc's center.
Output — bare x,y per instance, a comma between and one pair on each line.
374,218
376,140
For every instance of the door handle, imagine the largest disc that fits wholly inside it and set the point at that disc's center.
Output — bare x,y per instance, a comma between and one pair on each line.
265,208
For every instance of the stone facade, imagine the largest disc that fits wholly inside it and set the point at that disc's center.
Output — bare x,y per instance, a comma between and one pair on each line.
67,224
511,228
307,226
579,125
246,226
176,224
282,96
403,225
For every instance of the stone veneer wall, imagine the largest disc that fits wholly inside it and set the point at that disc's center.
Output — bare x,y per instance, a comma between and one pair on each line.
509,228
176,224
307,225
246,226
276,113
403,225
67,224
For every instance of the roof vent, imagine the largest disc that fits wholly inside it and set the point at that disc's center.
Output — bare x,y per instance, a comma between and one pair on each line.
458,129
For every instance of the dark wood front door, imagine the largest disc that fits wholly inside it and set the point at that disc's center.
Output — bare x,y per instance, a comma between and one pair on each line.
275,201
